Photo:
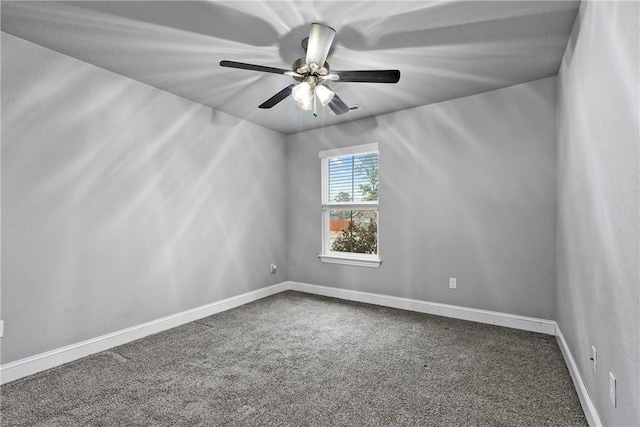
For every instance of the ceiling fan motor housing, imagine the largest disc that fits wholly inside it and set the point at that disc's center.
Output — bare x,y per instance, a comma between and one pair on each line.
312,72
305,70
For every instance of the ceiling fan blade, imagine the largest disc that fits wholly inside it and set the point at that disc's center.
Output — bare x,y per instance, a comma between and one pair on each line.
277,97
338,106
252,67
320,39
371,76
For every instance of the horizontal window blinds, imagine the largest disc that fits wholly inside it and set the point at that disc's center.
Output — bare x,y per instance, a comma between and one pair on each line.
353,178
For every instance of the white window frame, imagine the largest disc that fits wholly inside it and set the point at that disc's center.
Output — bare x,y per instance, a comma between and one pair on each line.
347,258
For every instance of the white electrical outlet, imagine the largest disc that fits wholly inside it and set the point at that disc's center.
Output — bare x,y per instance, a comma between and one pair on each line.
594,359
1,328
612,389
274,268
452,283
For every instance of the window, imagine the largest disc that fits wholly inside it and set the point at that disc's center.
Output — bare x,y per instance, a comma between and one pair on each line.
350,205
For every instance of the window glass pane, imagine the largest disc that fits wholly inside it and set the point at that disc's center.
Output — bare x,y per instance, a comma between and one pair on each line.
353,231
353,178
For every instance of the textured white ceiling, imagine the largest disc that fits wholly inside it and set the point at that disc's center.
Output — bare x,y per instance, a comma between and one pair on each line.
444,50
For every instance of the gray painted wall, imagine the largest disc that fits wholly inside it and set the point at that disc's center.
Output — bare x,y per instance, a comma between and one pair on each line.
467,190
123,204
598,301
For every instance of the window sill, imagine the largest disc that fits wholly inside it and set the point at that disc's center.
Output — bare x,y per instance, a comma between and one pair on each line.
358,261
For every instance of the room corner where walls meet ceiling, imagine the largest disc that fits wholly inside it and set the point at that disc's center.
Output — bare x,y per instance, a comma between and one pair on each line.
444,50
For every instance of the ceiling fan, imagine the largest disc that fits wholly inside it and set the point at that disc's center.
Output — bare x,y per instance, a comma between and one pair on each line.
312,74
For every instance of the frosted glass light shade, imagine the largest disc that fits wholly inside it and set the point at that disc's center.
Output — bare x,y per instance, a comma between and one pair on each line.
324,94
302,92
306,104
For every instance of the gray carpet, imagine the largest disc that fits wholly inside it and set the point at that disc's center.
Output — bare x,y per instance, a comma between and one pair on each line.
298,360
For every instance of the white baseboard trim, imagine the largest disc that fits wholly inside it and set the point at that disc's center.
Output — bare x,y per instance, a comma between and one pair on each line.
50,359
587,404
457,312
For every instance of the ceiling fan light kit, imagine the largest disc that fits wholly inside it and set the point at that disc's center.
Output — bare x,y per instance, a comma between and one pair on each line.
324,94
313,72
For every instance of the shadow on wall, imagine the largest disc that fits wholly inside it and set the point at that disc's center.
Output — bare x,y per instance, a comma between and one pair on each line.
487,192
122,203
467,190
